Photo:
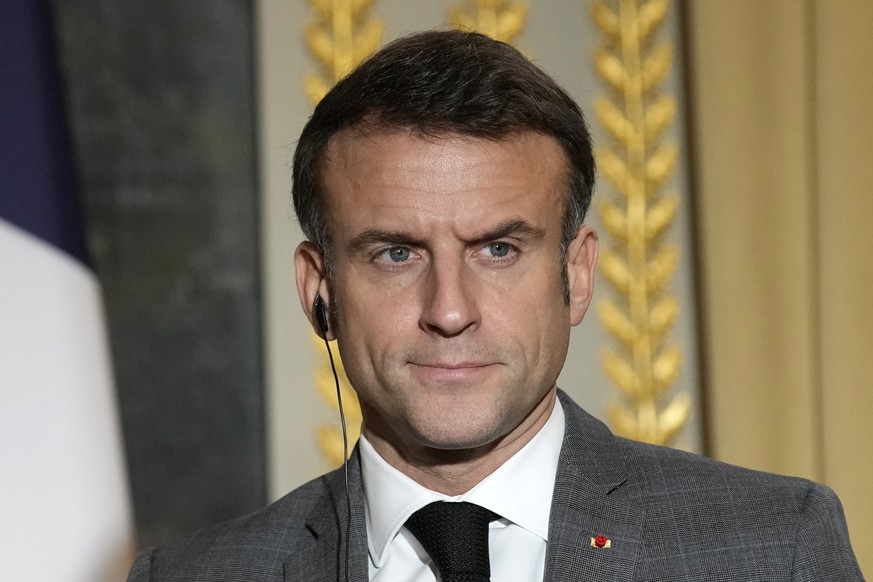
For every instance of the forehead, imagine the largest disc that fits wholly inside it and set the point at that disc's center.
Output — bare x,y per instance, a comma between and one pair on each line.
369,142
401,175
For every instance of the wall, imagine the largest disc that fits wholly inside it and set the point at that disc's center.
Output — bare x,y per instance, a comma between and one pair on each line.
783,127
162,107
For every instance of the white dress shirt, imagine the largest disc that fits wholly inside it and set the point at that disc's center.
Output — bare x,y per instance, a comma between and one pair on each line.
520,491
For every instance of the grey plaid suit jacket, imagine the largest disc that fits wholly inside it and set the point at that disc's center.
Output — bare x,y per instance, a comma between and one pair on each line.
669,516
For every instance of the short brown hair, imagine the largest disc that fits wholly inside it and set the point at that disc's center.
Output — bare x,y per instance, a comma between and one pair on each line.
444,83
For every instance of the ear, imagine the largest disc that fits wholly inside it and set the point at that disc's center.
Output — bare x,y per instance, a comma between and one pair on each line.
581,260
311,282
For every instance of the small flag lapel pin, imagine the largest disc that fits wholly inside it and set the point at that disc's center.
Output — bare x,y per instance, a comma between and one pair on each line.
601,542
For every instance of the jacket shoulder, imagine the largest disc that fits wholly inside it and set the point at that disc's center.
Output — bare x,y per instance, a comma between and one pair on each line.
703,519
248,548
678,470
661,473
726,515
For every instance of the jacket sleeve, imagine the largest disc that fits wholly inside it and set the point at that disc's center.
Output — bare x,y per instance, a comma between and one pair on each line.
140,571
822,550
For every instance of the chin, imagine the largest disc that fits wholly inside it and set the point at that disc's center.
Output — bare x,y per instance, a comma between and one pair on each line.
462,434
457,444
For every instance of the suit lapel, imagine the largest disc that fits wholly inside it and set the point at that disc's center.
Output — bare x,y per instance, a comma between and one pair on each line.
588,502
322,556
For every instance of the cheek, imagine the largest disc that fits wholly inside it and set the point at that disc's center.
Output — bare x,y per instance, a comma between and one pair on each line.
542,324
370,323
385,306
537,299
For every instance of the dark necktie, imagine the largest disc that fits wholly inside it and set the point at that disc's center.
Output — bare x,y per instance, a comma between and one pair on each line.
455,535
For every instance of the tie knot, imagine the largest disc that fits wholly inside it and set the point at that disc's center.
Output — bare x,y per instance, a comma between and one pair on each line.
455,535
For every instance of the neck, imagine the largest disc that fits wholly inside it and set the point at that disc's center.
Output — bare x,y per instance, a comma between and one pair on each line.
456,471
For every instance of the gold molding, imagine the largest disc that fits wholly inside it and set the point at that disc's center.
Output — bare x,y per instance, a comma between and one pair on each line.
341,36
499,19
637,161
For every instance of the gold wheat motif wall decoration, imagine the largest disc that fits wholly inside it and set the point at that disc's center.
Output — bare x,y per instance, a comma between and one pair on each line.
637,161
340,37
499,19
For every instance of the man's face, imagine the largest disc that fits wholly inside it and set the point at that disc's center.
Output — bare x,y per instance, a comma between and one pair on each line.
446,283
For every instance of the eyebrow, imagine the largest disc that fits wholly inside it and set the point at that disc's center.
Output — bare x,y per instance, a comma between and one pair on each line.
373,236
514,227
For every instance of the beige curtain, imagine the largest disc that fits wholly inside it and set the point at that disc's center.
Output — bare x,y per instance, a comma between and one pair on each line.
781,96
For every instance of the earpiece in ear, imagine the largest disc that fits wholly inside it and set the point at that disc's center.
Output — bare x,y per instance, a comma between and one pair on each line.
321,314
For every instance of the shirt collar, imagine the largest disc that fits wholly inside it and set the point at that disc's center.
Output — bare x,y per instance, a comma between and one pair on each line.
520,490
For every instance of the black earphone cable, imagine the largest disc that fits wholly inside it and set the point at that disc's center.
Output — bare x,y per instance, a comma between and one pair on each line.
339,400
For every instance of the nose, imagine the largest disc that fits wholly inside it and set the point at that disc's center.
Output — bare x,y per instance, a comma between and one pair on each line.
449,299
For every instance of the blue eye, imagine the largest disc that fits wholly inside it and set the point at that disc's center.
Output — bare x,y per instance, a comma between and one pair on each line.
498,249
397,254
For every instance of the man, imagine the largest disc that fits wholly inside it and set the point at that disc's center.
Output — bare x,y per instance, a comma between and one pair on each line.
443,187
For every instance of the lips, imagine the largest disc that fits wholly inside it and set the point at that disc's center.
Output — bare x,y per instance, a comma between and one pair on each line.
451,372
452,366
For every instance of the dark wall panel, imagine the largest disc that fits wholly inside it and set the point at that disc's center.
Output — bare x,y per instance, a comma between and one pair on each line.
161,100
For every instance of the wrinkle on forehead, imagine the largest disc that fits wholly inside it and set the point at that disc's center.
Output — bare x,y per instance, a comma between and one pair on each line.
353,150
